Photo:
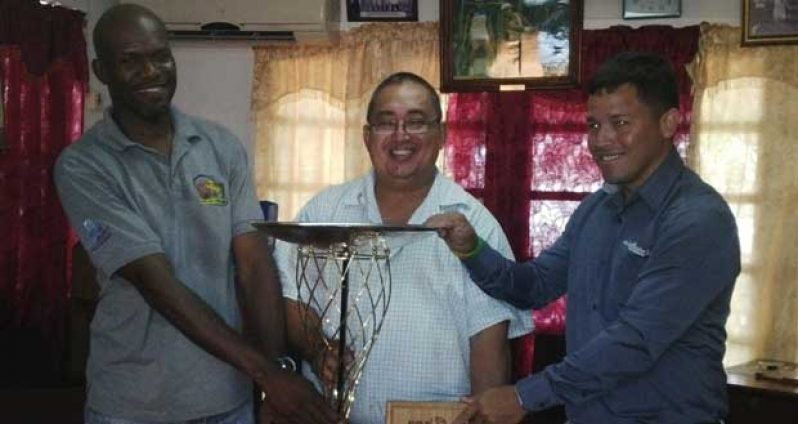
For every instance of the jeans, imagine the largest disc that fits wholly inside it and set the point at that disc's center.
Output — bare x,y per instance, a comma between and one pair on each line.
240,415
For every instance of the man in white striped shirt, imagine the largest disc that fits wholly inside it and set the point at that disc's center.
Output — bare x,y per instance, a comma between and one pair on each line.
442,337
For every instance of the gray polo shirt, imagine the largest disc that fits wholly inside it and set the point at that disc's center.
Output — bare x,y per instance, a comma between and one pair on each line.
127,201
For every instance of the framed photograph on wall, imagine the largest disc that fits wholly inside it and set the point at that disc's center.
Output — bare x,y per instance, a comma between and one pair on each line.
770,22
649,9
382,10
516,45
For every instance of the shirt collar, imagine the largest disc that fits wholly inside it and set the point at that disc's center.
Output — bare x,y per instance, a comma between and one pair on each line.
444,199
655,188
439,198
113,135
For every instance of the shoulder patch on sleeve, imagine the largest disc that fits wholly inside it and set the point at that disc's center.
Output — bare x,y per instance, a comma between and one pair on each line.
94,233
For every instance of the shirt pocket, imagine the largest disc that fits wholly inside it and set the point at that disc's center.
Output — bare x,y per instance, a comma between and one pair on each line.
623,279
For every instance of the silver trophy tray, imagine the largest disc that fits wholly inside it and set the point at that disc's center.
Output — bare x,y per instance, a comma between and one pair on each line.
325,234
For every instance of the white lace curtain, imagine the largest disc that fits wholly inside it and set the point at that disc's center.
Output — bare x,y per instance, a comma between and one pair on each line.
745,143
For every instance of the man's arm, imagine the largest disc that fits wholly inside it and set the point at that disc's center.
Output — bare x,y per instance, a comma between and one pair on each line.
489,358
298,318
153,276
306,337
524,285
260,293
288,395
490,373
262,302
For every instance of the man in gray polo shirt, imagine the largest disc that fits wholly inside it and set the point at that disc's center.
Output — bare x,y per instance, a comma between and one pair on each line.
162,202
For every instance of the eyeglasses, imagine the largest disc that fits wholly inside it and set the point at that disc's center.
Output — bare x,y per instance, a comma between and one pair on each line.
414,127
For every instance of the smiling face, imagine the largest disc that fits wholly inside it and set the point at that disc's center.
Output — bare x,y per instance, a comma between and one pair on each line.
627,139
136,64
399,157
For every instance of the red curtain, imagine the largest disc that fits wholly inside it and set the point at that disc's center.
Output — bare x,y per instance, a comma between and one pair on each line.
44,75
525,153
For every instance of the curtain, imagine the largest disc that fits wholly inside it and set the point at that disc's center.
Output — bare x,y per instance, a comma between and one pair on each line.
525,153
310,103
744,144
44,77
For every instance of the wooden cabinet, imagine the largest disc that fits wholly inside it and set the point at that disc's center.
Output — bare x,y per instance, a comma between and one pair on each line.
753,399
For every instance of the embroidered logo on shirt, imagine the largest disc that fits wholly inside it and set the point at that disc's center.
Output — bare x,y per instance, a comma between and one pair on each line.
94,233
209,191
458,207
635,249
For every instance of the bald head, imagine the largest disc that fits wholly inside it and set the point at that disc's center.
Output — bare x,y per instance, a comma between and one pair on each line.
135,62
123,17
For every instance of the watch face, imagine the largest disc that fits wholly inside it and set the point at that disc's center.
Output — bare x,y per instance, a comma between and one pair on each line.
286,363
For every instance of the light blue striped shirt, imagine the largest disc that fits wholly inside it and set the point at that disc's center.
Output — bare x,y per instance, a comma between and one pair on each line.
422,352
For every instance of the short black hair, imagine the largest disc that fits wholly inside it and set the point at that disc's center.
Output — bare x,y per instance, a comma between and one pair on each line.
400,78
112,17
650,73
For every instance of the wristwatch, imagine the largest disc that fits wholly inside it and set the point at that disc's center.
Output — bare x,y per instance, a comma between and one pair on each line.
286,363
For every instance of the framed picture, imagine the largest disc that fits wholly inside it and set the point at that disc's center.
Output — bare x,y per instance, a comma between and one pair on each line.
770,22
381,10
489,45
648,9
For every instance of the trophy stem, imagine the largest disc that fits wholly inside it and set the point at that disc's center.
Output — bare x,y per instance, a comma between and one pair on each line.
333,262
341,381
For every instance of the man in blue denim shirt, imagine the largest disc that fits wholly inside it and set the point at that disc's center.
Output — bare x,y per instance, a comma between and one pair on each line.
648,263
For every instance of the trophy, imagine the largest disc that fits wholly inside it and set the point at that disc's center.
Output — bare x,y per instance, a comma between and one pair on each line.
343,281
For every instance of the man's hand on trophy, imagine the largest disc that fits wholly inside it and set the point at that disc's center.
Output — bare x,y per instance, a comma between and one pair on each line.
456,231
327,363
289,398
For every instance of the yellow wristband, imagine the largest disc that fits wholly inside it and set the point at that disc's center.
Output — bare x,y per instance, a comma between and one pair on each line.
471,254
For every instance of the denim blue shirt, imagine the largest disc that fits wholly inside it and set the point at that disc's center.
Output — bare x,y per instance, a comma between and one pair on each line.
649,284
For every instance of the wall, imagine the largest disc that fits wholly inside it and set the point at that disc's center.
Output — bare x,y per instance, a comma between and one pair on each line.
214,79
605,13
233,90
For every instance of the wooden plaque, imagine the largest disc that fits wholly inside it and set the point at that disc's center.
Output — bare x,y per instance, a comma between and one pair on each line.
402,412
